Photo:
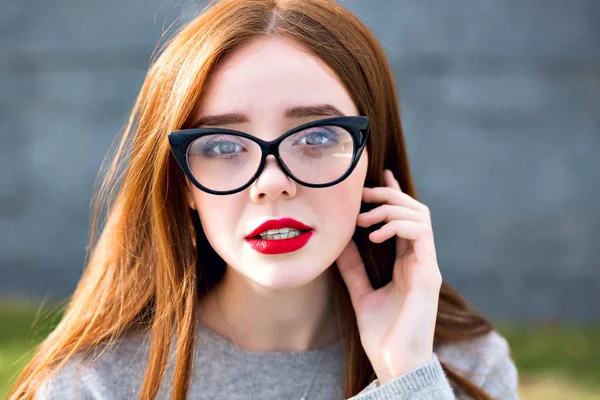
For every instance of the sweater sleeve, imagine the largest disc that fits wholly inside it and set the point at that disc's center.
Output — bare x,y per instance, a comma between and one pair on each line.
427,382
502,381
486,362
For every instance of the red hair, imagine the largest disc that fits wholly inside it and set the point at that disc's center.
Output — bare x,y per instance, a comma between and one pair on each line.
136,279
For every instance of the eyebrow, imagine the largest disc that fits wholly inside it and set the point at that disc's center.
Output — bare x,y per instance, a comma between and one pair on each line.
320,110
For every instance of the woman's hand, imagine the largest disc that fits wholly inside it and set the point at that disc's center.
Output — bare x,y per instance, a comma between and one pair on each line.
396,322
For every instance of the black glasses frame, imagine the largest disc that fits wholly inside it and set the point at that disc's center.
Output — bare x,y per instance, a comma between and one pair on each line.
358,126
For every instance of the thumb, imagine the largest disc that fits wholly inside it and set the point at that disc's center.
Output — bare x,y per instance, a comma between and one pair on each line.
352,270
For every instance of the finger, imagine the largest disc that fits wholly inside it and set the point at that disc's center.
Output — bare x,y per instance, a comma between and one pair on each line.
410,230
390,180
352,270
388,213
391,196
420,235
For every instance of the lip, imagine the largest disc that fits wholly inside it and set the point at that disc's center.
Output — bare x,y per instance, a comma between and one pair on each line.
277,224
280,246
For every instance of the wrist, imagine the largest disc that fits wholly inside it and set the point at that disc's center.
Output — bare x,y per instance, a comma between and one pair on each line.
389,375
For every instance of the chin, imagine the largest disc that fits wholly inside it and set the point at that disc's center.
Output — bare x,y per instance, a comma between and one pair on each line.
283,274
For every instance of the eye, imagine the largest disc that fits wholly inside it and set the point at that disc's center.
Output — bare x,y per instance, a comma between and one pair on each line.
314,139
223,145
317,138
223,148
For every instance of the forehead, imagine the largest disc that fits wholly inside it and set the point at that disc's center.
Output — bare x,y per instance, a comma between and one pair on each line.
265,77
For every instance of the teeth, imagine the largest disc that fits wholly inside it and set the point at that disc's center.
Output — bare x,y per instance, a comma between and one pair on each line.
278,234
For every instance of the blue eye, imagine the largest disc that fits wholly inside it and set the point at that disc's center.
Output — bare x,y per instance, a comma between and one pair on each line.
314,139
318,138
222,148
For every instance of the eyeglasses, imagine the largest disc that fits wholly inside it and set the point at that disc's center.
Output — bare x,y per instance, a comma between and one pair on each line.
316,154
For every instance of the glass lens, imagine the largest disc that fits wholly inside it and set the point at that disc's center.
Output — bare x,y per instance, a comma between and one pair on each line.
223,162
318,155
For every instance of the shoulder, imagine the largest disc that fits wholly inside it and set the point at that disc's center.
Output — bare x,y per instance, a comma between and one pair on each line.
485,361
108,372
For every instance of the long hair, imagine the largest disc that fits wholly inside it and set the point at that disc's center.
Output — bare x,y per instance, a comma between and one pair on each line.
151,262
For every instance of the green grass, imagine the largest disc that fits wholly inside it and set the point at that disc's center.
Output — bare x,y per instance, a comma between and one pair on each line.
22,327
572,352
553,360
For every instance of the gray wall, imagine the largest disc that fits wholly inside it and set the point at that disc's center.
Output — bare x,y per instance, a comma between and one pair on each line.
501,108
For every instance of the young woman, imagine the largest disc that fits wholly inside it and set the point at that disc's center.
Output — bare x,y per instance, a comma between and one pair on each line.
262,237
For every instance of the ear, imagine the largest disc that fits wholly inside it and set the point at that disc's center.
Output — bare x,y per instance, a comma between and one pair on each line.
188,195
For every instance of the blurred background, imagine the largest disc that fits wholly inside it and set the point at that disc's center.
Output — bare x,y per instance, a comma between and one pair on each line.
501,110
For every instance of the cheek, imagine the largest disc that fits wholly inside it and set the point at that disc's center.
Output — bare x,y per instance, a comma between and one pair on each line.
218,215
340,204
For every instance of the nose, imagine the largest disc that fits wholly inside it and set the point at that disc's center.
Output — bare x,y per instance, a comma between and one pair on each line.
272,183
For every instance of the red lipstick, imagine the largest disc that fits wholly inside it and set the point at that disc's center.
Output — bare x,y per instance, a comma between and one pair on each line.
279,246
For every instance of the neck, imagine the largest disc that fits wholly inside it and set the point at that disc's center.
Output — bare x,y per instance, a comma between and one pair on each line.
272,320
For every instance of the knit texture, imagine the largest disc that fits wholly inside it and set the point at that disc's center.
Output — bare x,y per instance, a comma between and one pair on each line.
223,371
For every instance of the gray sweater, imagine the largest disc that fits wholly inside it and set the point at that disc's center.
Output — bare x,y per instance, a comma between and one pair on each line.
223,371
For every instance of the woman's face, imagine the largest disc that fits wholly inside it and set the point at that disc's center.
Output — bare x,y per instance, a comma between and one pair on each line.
260,81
